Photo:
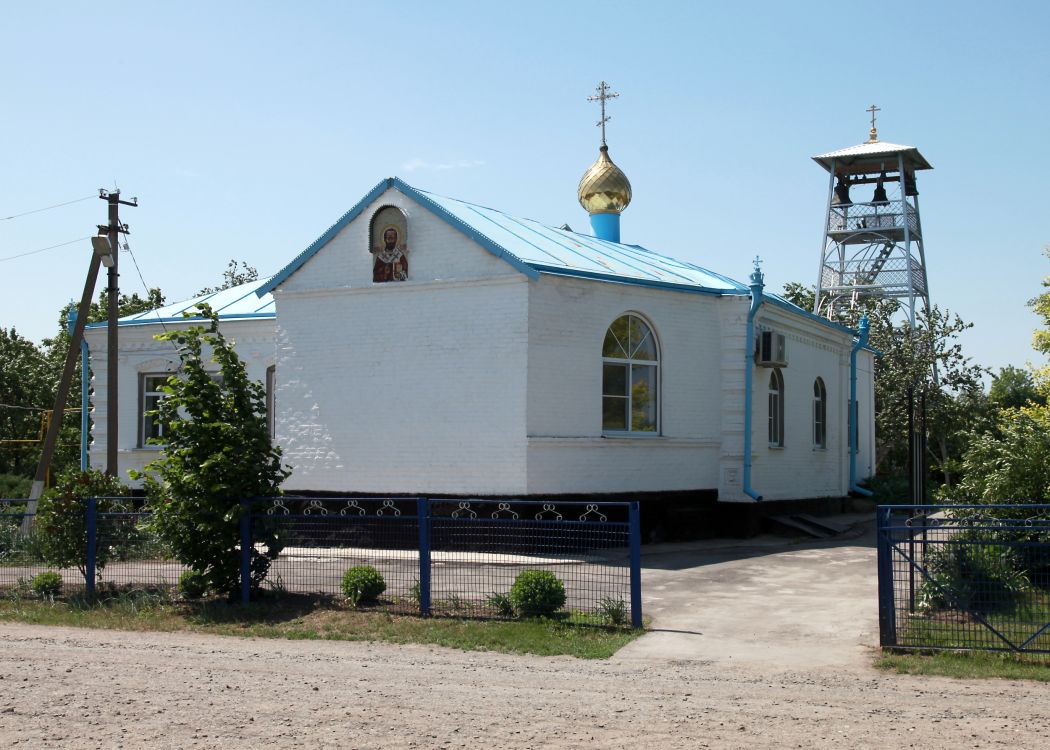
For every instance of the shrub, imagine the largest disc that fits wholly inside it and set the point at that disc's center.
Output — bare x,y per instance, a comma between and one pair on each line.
192,585
61,525
502,604
537,593
47,584
217,453
363,583
613,611
979,578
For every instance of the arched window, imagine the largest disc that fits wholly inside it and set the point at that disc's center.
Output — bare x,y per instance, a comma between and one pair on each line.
630,360
820,414
776,409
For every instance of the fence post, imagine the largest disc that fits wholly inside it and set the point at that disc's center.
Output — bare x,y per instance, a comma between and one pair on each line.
635,532
423,514
887,607
246,551
91,529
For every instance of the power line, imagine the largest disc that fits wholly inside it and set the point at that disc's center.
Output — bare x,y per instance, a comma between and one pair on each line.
42,249
45,208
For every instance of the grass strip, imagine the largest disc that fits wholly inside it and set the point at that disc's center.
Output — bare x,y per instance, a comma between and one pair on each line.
292,616
969,665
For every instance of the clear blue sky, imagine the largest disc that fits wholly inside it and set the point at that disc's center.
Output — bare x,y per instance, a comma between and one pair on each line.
246,129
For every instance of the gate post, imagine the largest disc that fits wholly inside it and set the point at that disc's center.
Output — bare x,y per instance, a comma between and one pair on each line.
246,551
91,530
423,516
887,606
635,534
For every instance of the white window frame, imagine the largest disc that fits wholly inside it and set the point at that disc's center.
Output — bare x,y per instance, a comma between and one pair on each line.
776,408
271,400
820,414
629,363
147,423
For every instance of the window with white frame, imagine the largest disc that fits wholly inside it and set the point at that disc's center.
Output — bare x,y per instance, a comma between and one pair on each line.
150,395
271,377
630,377
776,409
820,414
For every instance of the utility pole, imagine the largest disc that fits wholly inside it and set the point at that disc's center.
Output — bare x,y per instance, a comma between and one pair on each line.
114,228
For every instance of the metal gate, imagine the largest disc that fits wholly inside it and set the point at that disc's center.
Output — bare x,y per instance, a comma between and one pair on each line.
973,577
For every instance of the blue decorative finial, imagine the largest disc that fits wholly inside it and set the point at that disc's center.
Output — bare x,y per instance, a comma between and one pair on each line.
757,279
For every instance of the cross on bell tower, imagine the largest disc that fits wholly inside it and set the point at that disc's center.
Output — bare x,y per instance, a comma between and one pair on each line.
872,247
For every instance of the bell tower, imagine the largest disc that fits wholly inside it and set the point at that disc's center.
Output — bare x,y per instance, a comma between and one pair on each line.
872,242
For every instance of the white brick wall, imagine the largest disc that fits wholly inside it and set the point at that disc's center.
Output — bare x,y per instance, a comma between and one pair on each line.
568,319
404,387
436,251
140,353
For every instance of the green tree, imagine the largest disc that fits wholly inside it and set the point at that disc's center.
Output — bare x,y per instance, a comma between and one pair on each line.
217,453
26,390
1041,306
908,361
233,276
1013,388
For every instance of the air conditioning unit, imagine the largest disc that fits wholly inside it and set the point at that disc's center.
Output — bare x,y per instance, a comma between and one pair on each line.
770,349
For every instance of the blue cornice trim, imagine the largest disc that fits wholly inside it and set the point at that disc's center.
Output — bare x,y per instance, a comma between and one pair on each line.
180,319
325,238
784,304
613,278
423,200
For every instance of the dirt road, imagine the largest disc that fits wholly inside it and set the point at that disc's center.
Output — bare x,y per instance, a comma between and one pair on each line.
66,688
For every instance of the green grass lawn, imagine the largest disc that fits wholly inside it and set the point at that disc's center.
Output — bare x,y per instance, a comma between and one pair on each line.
969,665
319,618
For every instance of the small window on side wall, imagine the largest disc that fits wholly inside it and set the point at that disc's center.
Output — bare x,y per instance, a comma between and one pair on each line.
820,414
630,382
150,395
388,243
776,409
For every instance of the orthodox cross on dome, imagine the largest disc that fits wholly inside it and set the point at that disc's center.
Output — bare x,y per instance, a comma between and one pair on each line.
874,135
605,92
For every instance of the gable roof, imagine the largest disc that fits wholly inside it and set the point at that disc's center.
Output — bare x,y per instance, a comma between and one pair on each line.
235,303
534,248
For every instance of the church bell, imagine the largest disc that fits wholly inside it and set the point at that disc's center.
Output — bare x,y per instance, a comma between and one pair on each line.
842,193
909,184
880,199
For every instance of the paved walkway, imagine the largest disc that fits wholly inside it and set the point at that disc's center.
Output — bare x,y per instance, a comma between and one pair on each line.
767,601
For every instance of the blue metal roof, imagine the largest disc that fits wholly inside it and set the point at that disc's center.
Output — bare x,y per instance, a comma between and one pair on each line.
534,248
235,303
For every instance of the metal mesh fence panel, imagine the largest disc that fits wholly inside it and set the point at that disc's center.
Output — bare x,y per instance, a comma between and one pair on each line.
965,577
479,548
128,554
22,555
321,539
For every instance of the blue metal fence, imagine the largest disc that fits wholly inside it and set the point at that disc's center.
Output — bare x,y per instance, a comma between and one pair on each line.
437,556
968,577
455,556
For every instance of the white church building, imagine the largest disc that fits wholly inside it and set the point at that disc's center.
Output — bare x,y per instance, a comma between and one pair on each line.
426,345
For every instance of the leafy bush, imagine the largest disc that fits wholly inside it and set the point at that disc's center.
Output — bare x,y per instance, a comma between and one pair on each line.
537,593
192,585
502,604
1012,463
14,486
362,583
613,611
217,452
60,533
47,584
979,578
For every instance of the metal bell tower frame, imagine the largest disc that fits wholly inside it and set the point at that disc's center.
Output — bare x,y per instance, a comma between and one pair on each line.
872,248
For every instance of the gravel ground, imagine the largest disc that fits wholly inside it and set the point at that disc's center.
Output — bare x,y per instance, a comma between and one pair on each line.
68,688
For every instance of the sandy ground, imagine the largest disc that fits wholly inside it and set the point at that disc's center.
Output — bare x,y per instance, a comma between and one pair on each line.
86,689
763,645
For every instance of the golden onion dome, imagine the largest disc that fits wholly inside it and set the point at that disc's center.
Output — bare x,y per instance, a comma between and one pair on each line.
604,188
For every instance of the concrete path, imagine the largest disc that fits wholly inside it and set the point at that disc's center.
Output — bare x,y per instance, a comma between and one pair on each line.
773,602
